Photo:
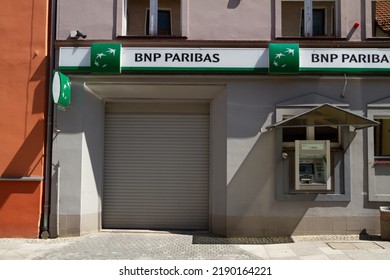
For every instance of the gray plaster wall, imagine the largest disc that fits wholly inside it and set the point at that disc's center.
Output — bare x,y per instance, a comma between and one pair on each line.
95,18
78,147
243,164
201,19
252,208
92,162
77,164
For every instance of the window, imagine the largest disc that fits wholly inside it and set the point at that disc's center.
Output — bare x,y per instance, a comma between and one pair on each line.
163,23
380,15
167,12
308,18
331,133
382,139
378,152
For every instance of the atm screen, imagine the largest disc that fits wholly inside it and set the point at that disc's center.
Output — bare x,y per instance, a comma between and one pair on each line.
306,168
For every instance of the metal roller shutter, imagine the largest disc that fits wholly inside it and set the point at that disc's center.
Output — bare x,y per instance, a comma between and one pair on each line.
156,168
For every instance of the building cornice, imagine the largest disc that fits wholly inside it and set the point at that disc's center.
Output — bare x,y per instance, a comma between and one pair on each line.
182,42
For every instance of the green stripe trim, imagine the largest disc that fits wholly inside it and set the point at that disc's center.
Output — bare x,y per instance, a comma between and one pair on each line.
75,68
228,69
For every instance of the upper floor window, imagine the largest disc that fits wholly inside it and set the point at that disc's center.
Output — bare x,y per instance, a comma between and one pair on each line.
382,138
308,18
380,11
153,18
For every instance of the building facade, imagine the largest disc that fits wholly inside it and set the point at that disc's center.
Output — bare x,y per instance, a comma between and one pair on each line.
23,97
241,118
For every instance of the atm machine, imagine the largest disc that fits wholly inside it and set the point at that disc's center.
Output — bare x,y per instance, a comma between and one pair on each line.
312,165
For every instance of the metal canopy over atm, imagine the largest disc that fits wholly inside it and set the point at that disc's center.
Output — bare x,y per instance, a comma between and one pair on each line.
326,115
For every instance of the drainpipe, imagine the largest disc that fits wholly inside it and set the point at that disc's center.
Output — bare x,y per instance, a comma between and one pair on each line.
49,127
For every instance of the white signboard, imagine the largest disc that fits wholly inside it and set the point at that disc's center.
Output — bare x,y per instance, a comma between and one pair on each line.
173,59
234,59
344,59
248,60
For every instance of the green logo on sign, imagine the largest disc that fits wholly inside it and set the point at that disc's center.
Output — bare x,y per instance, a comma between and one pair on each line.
61,89
283,58
106,58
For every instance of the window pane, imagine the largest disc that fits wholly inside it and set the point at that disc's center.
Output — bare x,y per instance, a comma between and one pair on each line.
326,133
294,133
382,138
163,25
319,22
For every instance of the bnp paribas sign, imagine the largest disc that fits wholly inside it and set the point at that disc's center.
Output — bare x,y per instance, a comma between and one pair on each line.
278,58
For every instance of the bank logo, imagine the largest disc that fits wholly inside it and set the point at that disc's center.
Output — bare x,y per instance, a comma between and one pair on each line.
106,58
61,89
283,58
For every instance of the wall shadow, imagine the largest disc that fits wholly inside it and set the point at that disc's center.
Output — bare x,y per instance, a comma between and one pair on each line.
40,95
26,158
14,187
204,239
252,198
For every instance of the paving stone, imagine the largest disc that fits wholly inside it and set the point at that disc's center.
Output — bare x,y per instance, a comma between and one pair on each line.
366,245
342,246
191,246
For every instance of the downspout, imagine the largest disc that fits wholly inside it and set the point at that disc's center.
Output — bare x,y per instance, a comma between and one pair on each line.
49,126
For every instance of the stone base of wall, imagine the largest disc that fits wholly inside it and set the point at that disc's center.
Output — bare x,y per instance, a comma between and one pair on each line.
288,226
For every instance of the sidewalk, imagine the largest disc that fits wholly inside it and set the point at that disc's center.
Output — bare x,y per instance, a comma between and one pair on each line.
136,245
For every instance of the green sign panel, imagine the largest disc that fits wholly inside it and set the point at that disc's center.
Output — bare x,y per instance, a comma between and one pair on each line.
283,58
106,58
61,89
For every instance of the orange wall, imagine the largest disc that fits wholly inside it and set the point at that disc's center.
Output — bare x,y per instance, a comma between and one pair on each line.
23,99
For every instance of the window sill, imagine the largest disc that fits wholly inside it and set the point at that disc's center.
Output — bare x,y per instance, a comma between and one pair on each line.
382,162
22,179
158,37
318,197
314,38
378,39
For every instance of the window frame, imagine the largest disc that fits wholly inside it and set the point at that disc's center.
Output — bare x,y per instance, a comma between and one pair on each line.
179,25
378,158
310,135
378,169
333,25
310,131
